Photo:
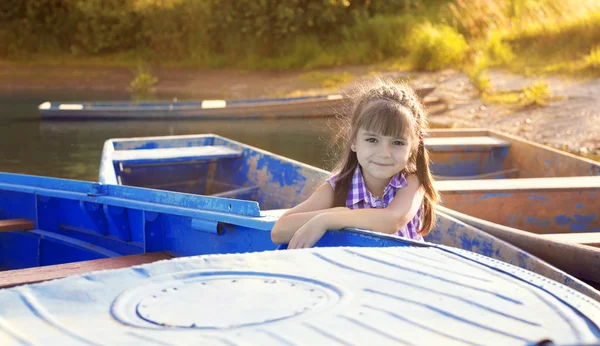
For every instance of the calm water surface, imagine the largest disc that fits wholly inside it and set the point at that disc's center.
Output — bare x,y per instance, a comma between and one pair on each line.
72,149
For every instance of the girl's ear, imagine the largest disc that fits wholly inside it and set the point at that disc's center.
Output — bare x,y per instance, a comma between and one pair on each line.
353,146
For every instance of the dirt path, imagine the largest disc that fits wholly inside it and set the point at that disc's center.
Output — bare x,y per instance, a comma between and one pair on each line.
571,123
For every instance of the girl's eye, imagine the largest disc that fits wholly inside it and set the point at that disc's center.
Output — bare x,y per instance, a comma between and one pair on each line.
371,140
397,143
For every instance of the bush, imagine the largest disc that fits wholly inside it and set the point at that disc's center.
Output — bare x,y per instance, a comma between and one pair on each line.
498,51
436,47
106,26
537,94
272,22
593,60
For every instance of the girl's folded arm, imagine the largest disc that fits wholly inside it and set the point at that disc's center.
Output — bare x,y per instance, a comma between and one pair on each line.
389,220
319,202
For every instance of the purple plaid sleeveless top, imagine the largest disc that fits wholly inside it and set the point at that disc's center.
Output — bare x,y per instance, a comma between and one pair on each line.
359,197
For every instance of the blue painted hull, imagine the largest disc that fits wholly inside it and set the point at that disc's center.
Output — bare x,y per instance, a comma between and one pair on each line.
208,165
407,294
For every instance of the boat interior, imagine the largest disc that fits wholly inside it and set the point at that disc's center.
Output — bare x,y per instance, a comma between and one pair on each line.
485,154
209,165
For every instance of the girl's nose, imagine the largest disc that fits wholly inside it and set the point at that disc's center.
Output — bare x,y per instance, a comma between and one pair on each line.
387,149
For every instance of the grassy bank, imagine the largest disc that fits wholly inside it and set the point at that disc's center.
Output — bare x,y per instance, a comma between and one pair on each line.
531,37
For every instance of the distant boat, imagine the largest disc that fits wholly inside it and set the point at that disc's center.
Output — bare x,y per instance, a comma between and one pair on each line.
291,107
212,165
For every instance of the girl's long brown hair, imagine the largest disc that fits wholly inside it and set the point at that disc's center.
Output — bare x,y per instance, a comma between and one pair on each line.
391,109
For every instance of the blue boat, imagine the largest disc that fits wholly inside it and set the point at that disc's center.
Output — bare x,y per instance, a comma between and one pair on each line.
473,154
403,294
303,107
208,165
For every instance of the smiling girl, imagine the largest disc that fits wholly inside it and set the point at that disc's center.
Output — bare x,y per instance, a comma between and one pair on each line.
383,182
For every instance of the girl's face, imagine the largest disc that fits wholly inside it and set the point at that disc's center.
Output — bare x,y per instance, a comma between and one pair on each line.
381,156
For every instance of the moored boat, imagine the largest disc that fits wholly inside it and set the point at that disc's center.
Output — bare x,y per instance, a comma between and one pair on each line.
471,154
304,107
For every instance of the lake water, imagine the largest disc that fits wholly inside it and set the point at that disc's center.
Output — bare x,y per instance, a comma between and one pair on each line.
72,149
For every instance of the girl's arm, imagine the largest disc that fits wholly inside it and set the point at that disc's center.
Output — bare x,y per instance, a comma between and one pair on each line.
389,220
319,202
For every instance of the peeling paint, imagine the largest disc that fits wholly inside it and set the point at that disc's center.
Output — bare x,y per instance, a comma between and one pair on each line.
563,220
496,195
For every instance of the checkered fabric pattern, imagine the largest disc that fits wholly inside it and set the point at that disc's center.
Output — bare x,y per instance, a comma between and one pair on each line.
359,197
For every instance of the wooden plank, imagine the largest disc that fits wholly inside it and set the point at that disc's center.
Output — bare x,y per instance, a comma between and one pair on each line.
16,277
512,173
235,192
589,238
457,132
141,156
538,160
16,225
464,143
521,184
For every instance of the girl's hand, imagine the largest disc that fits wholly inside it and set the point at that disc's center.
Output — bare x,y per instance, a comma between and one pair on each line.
307,235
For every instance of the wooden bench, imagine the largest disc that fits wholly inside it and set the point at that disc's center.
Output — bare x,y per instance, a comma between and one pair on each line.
10,278
504,174
518,185
460,144
173,155
16,225
584,238
237,192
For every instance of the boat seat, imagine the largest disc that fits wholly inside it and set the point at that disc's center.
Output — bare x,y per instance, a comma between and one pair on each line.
518,185
505,174
11,278
237,192
585,238
460,144
16,225
173,155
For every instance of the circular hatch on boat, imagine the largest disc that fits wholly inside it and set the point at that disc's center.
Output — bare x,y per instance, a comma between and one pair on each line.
215,301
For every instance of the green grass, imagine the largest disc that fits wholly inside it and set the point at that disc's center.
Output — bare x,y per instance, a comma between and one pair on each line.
537,94
564,47
502,97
